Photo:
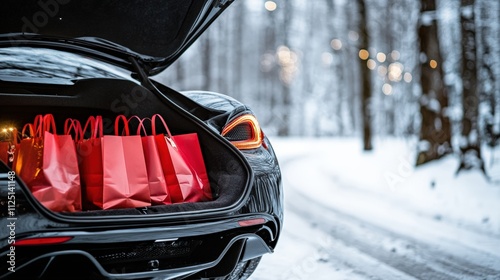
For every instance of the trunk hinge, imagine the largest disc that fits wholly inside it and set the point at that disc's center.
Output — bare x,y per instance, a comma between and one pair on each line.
140,74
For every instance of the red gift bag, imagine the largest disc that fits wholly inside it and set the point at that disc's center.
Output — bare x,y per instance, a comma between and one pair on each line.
23,135
156,177
47,163
183,165
113,168
90,162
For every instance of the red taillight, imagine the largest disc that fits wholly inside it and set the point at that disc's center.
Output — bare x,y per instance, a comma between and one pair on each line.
248,129
42,241
251,222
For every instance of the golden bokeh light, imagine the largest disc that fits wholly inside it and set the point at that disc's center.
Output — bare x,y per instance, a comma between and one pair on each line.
364,54
433,64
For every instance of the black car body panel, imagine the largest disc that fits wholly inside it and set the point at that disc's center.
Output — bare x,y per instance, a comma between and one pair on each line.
154,32
139,242
79,58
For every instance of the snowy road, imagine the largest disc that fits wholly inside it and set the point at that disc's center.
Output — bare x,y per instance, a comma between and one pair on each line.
335,230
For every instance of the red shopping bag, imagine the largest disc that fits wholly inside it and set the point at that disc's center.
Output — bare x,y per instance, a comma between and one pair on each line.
28,128
90,162
183,165
47,163
113,168
156,177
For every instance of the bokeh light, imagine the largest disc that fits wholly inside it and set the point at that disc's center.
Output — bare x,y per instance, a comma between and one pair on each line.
433,64
364,54
387,89
270,5
408,77
353,35
327,58
381,57
371,64
395,55
336,44
382,70
396,71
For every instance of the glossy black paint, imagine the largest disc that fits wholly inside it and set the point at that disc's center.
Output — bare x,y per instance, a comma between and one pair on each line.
58,71
140,228
156,33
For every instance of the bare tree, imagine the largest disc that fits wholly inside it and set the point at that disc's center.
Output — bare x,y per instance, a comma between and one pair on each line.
206,60
470,144
435,131
487,19
286,98
364,43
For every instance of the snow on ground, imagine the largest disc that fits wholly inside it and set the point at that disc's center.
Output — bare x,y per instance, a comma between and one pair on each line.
383,187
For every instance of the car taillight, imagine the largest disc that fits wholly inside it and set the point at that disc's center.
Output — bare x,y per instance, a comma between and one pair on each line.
244,132
42,241
251,222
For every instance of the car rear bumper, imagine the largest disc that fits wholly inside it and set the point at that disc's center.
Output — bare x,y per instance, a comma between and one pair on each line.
210,249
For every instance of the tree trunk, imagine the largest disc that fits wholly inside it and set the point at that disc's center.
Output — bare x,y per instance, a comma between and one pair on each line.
364,43
286,100
470,144
239,21
206,62
435,131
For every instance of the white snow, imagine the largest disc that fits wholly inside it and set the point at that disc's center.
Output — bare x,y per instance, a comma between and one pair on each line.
429,203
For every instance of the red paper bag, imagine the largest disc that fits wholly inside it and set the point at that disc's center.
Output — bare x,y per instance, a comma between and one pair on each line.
47,163
5,147
125,177
156,177
189,146
121,179
182,164
90,162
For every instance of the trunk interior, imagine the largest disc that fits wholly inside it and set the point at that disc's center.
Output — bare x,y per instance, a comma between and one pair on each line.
228,171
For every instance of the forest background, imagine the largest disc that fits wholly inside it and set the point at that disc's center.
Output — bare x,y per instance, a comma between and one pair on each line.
427,70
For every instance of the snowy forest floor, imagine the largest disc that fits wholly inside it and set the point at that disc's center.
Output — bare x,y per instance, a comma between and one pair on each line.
372,215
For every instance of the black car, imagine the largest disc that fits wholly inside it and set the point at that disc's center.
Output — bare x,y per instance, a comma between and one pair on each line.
75,58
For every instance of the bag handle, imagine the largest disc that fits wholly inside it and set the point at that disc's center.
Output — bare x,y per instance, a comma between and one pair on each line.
153,124
95,126
49,123
138,132
38,126
125,128
31,130
168,137
73,124
142,127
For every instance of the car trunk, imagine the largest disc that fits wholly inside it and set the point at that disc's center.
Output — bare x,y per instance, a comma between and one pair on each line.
228,172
